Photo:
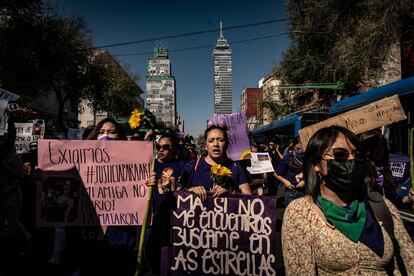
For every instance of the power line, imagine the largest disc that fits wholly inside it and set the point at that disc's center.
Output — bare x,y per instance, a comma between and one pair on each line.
190,34
204,46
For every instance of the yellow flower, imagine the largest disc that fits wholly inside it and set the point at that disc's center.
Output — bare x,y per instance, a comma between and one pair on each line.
219,174
135,118
224,171
215,169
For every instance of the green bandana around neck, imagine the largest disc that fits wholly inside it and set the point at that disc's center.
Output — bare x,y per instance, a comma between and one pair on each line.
350,221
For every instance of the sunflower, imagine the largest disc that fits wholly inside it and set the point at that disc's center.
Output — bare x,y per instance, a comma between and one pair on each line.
135,118
219,174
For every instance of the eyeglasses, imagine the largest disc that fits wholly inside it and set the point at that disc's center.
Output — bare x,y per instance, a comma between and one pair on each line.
341,154
163,147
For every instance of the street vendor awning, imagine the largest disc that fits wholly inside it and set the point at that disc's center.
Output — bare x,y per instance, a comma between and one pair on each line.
293,119
401,88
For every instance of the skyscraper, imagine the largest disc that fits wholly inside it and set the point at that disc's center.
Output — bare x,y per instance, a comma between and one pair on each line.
160,84
222,76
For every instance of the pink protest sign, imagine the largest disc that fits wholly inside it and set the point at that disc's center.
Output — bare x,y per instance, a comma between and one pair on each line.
92,182
237,132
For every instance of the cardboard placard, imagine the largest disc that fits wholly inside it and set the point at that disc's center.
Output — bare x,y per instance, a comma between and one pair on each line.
367,117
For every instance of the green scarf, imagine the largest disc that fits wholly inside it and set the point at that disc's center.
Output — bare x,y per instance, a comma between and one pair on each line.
350,221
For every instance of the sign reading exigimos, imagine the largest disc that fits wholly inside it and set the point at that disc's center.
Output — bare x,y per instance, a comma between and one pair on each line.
367,117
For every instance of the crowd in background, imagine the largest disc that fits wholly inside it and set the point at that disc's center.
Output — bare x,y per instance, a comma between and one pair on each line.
180,165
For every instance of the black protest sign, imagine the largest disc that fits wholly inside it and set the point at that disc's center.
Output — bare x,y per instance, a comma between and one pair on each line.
232,235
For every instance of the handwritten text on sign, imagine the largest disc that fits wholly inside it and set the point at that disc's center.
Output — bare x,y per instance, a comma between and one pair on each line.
373,115
24,137
113,175
223,236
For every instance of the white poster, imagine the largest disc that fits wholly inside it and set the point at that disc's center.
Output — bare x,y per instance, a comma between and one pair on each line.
261,163
24,137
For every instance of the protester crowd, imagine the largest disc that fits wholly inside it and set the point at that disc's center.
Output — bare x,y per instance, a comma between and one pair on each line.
332,190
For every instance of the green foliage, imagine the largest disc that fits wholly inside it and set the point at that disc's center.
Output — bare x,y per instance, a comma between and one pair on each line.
343,40
44,52
113,86
277,109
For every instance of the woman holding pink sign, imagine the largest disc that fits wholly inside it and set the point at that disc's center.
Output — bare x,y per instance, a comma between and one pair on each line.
115,246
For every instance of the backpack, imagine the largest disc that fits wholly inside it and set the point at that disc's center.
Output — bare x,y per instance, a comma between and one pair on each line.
382,213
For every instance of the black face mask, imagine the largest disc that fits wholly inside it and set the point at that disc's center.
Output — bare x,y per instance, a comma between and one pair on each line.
345,176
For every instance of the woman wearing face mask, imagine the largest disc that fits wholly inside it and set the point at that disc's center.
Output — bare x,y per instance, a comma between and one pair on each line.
289,172
112,245
107,129
199,180
335,228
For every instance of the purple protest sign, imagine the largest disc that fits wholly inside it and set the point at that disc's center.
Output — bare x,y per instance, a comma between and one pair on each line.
236,130
233,235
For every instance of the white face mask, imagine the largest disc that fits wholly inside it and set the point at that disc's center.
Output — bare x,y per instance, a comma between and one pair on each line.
107,137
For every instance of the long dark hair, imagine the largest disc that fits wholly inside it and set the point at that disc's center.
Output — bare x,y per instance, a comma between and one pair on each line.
317,145
173,141
222,129
95,132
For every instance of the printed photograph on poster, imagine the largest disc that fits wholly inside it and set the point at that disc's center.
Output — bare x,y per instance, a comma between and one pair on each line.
38,128
260,163
110,186
60,199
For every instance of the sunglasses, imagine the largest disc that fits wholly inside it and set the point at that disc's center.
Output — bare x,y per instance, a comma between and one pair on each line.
341,154
163,147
